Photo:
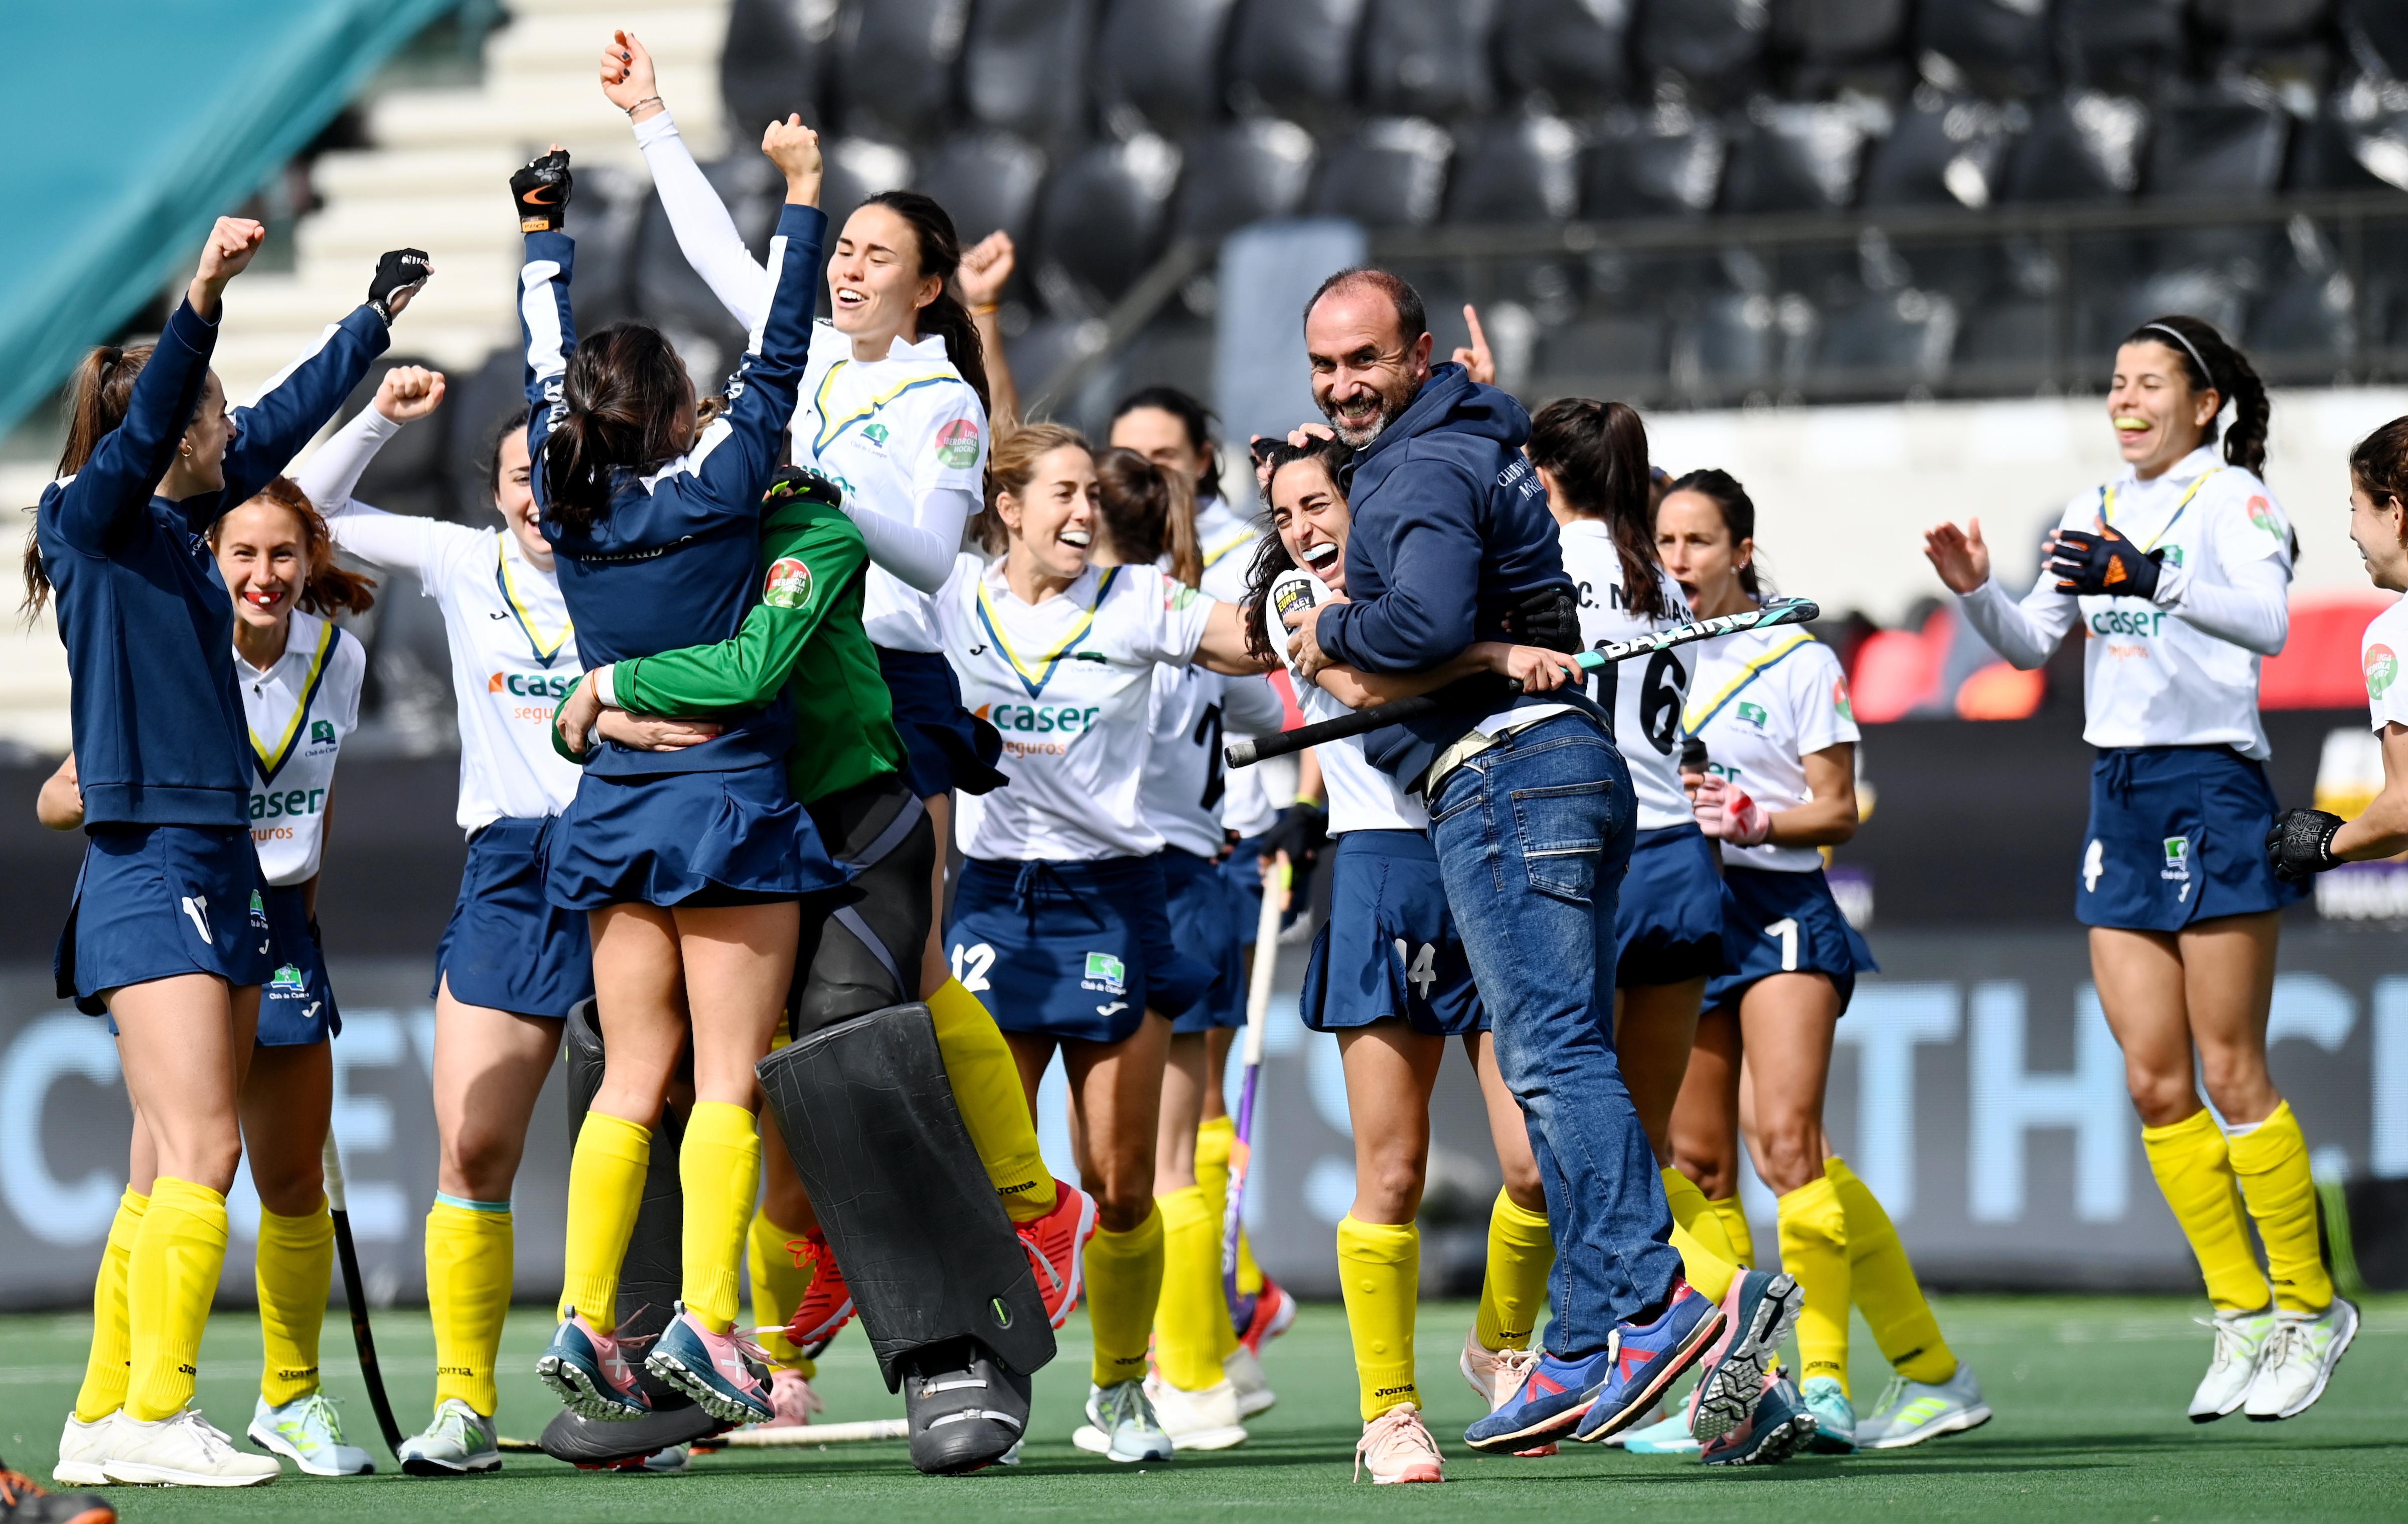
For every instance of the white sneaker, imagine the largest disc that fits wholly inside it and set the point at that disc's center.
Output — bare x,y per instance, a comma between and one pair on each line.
1198,1420
1398,1447
83,1451
1120,1425
1244,1369
2239,1341
459,1443
308,1432
183,1449
1911,1411
2298,1360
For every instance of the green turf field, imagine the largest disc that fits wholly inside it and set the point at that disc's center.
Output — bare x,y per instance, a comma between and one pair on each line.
2089,1395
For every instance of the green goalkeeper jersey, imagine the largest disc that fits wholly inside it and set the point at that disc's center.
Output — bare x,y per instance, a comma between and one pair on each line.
804,637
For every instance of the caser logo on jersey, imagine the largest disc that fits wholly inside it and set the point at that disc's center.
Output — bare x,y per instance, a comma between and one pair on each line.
2382,670
1040,719
555,686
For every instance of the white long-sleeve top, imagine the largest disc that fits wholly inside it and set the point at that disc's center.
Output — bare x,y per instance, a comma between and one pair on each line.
903,435
2179,668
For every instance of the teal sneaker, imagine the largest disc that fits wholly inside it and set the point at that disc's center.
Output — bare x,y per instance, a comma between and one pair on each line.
1835,1417
1911,1411
1668,1436
308,1432
459,1443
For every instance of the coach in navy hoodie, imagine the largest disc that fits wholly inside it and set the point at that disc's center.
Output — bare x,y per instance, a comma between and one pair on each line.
1532,819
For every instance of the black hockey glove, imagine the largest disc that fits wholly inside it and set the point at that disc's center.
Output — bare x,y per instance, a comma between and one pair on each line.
399,272
1301,831
2301,844
2103,563
542,190
1548,618
792,481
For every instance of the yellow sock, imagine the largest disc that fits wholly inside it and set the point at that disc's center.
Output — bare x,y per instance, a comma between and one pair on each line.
1735,1228
2271,1160
294,1268
1815,1249
1379,1270
719,1169
1188,1318
1706,1259
471,1247
109,1366
1881,1280
606,1187
1521,1251
986,1090
2195,1173
1124,1284
778,1288
170,1279
1215,1136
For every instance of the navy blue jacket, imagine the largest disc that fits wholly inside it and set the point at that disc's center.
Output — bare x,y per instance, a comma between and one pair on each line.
675,562
1451,530
160,737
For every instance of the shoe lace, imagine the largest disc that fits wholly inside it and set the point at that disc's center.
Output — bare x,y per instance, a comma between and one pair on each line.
2288,1338
1517,1363
16,1486
318,1410
1891,1394
1049,1279
2232,1340
1401,1426
213,1440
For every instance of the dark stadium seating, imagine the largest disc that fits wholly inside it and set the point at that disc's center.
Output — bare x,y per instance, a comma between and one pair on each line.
2326,152
2379,29
1831,46
1743,342
1891,338
1663,164
1159,62
667,290
1632,345
776,59
2080,148
1252,169
2262,20
2308,318
1793,158
987,181
895,74
604,218
1943,151
2124,47
1996,48
1428,58
1392,173
860,167
1022,64
2218,150
1575,53
1515,170
1717,49
1295,58
1101,222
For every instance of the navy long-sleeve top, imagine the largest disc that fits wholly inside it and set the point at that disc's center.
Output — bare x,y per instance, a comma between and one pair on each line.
675,561
1451,531
160,737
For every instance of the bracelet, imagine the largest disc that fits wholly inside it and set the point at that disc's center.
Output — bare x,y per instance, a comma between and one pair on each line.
985,309
649,100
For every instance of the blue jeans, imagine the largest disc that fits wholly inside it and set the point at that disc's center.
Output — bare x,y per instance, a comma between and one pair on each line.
1533,836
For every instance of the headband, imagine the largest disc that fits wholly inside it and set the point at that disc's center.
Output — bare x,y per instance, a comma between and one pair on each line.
2175,334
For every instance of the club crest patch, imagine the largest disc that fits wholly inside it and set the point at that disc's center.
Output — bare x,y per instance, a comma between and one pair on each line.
789,584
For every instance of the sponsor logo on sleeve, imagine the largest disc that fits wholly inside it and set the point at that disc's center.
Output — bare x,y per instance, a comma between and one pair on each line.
2382,670
957,445
1179,596
2262,514
788,584
1840,699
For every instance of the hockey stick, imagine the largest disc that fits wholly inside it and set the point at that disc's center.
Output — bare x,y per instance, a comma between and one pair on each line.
799,1435
356,1294
1245,753
1258,1007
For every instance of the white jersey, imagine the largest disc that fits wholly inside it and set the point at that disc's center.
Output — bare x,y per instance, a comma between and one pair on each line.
1070,685
1762,702
1645,697
1361,797
300,709
2158,673
1226,539
513,651
2381,651
1186,786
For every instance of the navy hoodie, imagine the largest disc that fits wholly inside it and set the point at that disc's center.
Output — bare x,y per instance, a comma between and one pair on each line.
160,736
675,562
1451,531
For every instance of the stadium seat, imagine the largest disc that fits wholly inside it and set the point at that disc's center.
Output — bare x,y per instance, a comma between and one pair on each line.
1663,164
1295,58
667,290
1945,150
1889,341
1575,53
1428,58
776,59
1101,221
2082,147
1158,63
2263,21
2006,345
1515,170
986,181
1716,48
1039,351
2377,29
2122,47
604,219
1828,46
2340,148
2220,149
1251,169
1996,48
1793,158
1022,66
859,168
2106,312
1743,342
1629,347
896,72
1390,174
2307,326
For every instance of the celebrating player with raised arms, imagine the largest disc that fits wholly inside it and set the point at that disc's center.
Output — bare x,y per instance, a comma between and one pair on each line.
2178,570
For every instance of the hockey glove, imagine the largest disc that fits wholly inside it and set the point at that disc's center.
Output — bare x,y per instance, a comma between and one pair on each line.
2103,563
1301,830
1547,617
399,272
542,190
793,481
2301,844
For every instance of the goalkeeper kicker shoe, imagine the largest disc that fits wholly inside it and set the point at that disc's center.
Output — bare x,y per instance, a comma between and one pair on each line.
1911,1411
965,1409
2298,1360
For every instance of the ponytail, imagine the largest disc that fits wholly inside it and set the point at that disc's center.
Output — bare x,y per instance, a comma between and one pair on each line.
1149,513
98,396
2211,362
625,402
1739,517
1597,453
332,588
940,255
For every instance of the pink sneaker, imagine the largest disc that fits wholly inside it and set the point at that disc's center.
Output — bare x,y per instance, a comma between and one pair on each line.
726,1376
590,1373
1399,1448
1497,1375
792,1401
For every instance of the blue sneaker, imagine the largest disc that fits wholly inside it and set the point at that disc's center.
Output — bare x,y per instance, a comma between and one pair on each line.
726,1375
591,1375
1757,1312
1776,1424
1600,1393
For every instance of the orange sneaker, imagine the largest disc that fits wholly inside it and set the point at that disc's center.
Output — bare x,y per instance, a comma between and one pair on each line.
1054,1242
827,1306
21,1497
1271,1312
